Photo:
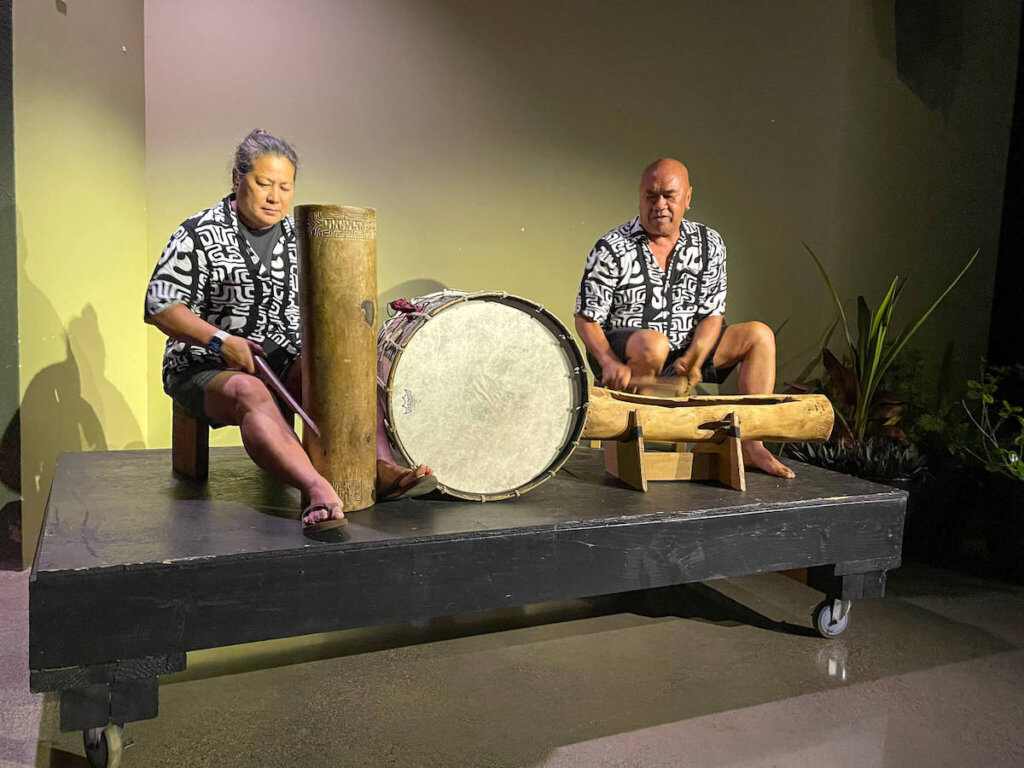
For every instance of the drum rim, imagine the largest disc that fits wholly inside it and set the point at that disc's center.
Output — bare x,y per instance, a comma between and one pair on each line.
582,385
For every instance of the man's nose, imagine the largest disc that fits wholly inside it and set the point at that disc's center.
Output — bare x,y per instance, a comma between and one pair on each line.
273,194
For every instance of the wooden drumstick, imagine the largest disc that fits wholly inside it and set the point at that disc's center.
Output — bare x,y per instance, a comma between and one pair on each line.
275,384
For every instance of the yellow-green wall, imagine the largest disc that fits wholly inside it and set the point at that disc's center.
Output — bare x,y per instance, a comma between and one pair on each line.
79,111
497,142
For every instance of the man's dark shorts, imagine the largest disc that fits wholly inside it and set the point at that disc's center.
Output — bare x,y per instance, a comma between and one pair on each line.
619,337
188,389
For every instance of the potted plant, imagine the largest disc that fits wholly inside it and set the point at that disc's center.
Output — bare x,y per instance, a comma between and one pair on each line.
995,444
941,514
867,440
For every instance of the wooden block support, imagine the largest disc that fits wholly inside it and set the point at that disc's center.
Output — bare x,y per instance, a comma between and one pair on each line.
190,445
719,460
722,459
624,458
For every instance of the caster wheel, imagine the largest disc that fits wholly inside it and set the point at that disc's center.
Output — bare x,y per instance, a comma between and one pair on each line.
103,746
831,617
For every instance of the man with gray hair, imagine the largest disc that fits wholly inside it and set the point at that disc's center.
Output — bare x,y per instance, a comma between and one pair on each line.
225,290
651,304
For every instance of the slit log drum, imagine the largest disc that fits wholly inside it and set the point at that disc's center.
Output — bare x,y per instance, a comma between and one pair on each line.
773,418
338,304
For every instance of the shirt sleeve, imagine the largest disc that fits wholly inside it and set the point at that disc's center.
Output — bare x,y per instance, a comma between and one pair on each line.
180,276
601,275
714,285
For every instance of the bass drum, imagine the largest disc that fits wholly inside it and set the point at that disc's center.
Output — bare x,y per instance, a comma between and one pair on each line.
487,389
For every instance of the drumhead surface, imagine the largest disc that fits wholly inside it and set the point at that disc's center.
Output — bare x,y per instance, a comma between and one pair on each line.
484,394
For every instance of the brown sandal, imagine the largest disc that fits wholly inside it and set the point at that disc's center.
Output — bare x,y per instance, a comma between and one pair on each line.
418,487
323,525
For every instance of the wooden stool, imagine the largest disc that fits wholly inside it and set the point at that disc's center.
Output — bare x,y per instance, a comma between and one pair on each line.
190,444
717,459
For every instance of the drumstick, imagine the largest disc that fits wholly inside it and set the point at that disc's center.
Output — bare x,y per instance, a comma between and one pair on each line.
661,386
275,384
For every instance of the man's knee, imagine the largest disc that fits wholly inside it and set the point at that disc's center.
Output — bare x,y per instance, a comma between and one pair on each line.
761,336
244,393
648,347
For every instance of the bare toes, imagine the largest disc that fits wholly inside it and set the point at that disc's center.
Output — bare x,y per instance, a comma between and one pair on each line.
763,460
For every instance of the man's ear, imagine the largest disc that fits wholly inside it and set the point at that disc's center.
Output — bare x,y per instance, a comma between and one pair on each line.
234,179
689,194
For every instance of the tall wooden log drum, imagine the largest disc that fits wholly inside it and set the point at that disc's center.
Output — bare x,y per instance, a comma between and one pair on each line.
486,388
338,301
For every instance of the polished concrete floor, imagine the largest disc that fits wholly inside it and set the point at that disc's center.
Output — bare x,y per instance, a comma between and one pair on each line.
723,674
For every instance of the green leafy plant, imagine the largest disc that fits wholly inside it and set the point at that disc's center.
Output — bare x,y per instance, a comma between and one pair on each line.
998,443
859,402
881,458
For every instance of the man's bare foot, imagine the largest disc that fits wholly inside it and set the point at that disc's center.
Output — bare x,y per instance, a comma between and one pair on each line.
324,505
393,480
756,455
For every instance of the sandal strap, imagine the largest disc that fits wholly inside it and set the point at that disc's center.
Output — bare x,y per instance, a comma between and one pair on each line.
316,508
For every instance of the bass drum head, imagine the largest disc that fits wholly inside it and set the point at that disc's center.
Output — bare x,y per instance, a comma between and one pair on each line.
488,396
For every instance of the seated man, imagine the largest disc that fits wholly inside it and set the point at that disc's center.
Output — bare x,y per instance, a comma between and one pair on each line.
226,289
651,304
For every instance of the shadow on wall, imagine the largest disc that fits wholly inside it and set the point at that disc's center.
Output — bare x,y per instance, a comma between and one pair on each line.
929,49
112,410
67,406
56,419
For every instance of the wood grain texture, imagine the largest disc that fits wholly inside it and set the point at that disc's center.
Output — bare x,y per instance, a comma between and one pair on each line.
775,418
190,444
338,300
186,566
103,674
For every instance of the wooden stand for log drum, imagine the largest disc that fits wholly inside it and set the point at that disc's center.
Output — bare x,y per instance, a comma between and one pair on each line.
718,458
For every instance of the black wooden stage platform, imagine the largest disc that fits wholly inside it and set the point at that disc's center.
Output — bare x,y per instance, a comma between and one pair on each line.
136,566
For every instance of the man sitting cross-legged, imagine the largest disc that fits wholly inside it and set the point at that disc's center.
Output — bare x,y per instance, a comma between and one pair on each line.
651,304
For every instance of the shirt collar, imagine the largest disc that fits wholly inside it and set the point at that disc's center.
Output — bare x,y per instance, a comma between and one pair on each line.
232,214
636,230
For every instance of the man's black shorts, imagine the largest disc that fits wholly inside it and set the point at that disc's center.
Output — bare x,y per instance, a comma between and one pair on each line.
188,389
618,338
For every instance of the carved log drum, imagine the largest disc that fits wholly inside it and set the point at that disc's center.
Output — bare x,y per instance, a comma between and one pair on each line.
338,301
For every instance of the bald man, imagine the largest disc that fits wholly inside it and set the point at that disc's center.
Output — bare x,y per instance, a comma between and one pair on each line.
651,304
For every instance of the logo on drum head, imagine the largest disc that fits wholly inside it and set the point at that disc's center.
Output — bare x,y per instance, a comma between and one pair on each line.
408,401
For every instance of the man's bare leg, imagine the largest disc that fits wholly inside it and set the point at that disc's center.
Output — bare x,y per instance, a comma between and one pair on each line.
243,400
646,353
752,345
389,474
388,471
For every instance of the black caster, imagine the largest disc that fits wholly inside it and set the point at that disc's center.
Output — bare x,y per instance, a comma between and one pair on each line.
103,746
831,617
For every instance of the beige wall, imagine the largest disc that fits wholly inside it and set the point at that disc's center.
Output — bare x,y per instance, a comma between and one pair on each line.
497,141
79,166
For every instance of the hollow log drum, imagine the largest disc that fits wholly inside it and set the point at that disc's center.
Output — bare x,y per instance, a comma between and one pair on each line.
338,301
774,418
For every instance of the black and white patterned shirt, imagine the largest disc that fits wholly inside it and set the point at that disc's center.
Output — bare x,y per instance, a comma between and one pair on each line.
209,267
623,286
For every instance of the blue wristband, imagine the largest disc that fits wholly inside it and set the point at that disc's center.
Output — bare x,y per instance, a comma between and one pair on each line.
217,342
